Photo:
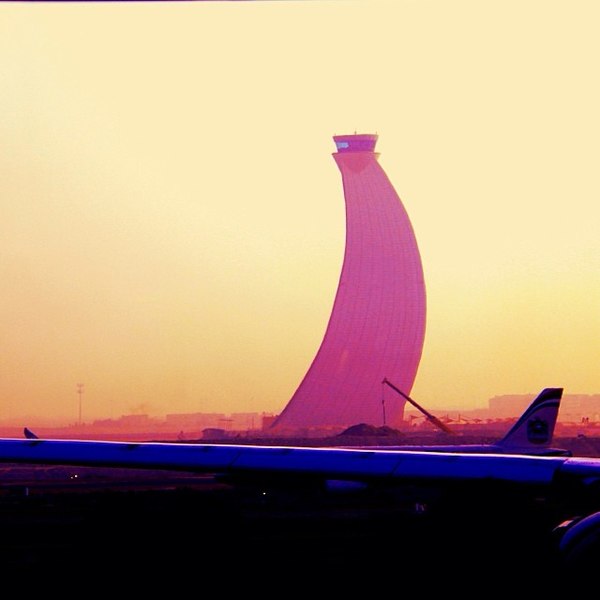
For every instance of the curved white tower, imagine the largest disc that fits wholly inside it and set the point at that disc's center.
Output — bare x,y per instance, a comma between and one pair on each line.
377,325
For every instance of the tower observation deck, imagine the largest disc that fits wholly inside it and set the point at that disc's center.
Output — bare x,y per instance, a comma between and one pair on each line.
376,328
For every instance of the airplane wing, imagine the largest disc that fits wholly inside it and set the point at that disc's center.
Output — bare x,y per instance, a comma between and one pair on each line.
364,465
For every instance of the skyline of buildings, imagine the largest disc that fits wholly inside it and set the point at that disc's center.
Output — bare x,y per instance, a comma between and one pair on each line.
580,410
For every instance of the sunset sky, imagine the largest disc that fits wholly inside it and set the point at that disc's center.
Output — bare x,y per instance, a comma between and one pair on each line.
172,221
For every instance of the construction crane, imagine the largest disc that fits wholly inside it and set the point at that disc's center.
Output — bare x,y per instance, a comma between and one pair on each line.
433,419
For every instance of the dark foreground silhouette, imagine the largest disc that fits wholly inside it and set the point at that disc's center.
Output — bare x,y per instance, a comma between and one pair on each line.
141,528
65,527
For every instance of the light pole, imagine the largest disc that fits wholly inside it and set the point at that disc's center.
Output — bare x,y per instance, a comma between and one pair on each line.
80,393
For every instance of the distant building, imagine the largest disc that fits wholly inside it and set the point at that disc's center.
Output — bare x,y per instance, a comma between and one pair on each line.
267,421
196,421
245,421
134,421
509,405
580,408
573,407
214,433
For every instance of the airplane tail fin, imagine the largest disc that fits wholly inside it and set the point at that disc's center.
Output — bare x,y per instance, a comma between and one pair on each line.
535,428
29,434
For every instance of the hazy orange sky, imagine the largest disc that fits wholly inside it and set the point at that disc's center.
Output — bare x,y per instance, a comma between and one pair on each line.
172,221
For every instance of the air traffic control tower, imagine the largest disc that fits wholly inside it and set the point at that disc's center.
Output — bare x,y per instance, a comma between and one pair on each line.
377,325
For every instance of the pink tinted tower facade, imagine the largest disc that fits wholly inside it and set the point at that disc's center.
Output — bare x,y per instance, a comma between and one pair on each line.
377,325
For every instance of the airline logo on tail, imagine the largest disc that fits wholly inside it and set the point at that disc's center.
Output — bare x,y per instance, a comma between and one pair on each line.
538,431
